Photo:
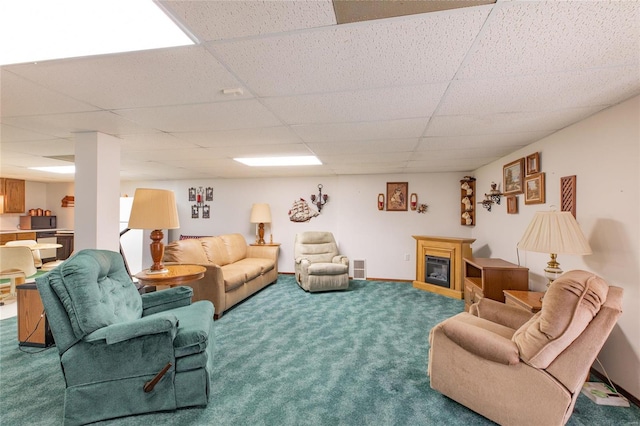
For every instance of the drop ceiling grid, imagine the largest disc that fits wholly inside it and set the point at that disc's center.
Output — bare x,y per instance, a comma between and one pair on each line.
524,38
514,140
247,136
358,131
215,20
184,75
386,53
355,148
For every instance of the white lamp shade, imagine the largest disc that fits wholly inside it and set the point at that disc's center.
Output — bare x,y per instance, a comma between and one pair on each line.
260,213
154,209
554,232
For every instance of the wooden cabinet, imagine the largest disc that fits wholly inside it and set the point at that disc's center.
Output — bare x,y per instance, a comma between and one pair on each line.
13,191
65,251
33,326
486,277
13,236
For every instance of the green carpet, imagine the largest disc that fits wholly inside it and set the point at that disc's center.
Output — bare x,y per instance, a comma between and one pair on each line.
287,357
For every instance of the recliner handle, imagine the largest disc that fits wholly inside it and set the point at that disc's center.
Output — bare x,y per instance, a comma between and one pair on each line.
148,387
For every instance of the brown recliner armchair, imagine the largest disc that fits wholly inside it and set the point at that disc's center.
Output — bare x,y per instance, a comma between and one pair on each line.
519,369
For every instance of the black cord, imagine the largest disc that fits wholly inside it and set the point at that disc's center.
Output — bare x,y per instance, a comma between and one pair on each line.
31,334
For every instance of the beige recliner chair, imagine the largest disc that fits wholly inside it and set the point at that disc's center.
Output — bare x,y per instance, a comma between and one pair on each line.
519,369
318,265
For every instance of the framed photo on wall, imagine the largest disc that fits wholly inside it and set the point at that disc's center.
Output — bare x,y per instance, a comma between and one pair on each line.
533,163
397,196
512,177
534,189
512,204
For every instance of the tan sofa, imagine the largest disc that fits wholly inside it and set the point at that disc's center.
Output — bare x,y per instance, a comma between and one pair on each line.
519,369
235,270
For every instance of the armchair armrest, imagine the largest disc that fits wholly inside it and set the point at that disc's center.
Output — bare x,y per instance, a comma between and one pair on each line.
481,342
494,311
341,259
120,332
171,298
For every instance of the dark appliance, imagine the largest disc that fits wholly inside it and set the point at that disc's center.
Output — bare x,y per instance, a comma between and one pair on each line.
38,222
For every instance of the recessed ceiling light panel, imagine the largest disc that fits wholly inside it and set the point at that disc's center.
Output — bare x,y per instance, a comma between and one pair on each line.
306,160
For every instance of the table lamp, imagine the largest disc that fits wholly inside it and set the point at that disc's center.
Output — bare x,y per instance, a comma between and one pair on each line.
555,233
154,209
260,214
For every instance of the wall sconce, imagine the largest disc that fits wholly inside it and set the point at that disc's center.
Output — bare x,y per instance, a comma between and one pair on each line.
199,196
495,194
321,199
380,201
413,201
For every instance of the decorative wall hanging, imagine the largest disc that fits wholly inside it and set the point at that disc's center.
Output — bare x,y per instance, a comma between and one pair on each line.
533,163
467,201
397,195
512,204
534,189
568,194
199,195
512,177
300,211
380,201
494,194
413,201
321,199
422,208
487,202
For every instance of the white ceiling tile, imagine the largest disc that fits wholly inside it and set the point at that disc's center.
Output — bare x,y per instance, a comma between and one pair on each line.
152,141
156,77
408,50
548,36
597,87
331,132
255,136
218,19
17,134
203,117
42,147
366,157
358,147
507,122
365,105
22,97
513,140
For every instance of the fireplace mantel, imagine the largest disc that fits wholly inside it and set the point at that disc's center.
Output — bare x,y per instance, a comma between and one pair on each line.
454,249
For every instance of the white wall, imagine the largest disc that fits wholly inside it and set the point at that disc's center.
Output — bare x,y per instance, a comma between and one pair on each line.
603,151
382,238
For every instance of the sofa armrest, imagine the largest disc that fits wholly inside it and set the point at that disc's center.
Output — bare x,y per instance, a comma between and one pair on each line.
481,342
263,251
341,259
494,311
123,331
171,298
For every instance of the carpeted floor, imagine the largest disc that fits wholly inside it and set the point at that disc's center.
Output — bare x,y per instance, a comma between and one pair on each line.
286,357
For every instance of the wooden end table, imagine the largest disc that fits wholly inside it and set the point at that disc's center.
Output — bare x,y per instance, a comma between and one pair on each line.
175,275
528,300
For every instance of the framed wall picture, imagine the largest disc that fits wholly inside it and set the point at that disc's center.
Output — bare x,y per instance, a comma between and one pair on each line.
533,163
512,204
397,196
512,177
534,189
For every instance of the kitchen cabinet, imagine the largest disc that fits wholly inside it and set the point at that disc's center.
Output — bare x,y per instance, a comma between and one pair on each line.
13,191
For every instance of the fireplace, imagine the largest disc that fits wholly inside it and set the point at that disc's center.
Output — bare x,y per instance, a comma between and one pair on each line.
437,270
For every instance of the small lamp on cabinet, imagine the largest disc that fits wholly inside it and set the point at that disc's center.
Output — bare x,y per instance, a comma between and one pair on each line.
260,214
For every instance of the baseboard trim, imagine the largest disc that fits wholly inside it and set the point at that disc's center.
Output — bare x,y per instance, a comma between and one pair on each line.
632,399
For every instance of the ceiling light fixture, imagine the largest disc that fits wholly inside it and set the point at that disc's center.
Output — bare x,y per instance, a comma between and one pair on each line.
305,160
56,169
72,28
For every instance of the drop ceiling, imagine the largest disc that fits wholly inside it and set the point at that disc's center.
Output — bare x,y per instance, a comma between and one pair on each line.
440,91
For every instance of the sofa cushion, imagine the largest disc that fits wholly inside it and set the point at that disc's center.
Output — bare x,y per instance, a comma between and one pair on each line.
215,251
256,266
236,246
185,251
568,306
96,291
328,269
234,276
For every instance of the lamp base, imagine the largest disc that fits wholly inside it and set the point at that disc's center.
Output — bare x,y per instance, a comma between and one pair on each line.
261,233
156,271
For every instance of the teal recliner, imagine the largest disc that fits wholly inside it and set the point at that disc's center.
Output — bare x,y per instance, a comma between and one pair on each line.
122,353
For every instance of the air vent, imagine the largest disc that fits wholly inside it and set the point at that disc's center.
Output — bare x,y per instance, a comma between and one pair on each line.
359,270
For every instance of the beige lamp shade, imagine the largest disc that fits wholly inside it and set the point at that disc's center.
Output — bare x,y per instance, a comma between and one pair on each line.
260,213
154,209
554,232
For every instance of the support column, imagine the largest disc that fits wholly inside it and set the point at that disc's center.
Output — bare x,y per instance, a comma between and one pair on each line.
97,191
